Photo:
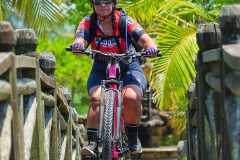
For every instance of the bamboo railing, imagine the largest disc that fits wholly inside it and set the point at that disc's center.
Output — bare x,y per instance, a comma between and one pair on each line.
36,118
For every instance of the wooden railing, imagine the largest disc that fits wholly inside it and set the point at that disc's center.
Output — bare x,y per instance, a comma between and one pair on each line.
213,129
36,118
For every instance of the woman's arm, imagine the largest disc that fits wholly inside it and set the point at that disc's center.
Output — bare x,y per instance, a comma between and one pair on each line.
146,41
82,41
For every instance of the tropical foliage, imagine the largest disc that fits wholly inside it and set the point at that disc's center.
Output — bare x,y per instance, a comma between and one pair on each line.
42,15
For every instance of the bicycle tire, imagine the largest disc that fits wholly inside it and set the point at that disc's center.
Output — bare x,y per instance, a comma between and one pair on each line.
107,126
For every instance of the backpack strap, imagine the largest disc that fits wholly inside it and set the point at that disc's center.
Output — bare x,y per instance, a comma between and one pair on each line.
122,27
93,27
122,23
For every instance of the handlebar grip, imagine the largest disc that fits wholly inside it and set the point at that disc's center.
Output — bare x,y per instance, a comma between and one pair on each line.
159,54
68,49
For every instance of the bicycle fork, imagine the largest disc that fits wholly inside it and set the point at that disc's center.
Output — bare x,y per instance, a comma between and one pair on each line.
101,109
118,121
118,125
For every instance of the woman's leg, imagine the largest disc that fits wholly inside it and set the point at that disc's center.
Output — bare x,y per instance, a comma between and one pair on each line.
132,95
92,118
92,123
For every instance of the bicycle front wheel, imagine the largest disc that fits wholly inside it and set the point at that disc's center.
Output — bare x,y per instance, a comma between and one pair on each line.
108,126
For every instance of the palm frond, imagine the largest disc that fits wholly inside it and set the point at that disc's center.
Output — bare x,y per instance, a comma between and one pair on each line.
1,13
5,7
42,15
141,10
175,69
185,10
47,15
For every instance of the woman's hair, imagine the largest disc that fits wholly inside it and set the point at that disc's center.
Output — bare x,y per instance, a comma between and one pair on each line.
113,22
114,1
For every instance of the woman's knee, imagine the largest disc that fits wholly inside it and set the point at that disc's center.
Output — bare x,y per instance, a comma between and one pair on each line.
132,95
94,96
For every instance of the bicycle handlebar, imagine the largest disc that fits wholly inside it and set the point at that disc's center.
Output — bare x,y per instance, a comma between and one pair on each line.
108,54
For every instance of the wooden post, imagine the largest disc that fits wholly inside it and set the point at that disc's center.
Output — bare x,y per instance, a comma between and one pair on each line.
67,95
28,69
7,42
47,63
6,109
208,38
229,24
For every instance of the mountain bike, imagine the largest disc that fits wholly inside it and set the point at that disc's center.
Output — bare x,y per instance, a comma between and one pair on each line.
111,133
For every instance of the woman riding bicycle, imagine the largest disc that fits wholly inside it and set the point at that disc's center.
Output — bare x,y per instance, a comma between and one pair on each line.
107,38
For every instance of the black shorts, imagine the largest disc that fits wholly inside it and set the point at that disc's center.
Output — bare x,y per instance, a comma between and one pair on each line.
134,75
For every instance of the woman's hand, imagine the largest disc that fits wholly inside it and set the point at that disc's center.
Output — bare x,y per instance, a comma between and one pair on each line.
152,51
77,48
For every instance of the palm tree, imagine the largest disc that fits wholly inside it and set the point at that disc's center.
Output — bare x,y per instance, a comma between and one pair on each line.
42,15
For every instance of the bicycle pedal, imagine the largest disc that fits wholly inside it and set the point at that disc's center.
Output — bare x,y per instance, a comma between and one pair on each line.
123,152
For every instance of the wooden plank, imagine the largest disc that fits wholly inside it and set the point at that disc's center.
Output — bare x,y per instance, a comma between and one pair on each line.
40,114
29,125
46,81
74,154
17,129
213,81
231,55
38,144
73,125
192,100
54,151
78,146
63,146
5,90
161,152
212,55
63,123
63,107
6,114
26,86
25,62
73,141
48,125
68,153
5,62
49,100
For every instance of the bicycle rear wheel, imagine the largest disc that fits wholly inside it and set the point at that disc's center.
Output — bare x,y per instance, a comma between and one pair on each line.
107,126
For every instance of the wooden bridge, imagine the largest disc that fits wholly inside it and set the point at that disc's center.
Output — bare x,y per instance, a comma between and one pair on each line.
37,121
36,118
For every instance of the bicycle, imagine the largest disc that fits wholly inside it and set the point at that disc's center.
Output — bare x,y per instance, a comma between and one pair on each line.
111,131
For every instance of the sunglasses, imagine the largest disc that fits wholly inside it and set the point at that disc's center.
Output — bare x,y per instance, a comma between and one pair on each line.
100,2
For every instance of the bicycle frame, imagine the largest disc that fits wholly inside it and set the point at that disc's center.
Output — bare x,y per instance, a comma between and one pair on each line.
113,79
